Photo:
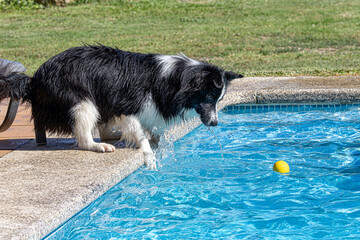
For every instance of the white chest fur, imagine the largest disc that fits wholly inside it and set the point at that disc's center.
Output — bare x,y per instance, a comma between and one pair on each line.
151,119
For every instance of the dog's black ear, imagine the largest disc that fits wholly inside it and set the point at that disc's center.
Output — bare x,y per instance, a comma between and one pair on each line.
216,79
208,75
231,76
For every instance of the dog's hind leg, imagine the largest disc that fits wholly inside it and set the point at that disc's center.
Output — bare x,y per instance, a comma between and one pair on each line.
132,131
86,117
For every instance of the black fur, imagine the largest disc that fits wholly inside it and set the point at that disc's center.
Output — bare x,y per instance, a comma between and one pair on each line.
117,82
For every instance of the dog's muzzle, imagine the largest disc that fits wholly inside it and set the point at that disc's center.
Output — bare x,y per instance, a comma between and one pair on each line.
213,120
208,115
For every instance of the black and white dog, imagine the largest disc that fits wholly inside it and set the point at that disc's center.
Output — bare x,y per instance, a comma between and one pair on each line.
89,87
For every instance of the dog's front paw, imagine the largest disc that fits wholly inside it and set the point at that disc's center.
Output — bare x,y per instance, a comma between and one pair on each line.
150,161
99,147
103,147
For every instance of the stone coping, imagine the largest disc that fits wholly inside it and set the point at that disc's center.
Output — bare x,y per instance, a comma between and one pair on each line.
42,187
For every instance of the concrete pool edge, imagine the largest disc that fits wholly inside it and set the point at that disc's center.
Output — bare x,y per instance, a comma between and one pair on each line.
43,187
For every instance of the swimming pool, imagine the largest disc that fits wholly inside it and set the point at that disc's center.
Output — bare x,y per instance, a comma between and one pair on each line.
207,190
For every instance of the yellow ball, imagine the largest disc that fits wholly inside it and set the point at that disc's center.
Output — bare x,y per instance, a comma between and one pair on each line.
281,167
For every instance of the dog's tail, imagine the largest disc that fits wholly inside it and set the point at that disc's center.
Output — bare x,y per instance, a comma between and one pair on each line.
13,82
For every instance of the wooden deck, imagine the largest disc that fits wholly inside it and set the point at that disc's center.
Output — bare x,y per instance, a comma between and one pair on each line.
20,132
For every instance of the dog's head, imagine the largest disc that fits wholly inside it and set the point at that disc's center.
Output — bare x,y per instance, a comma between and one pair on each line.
209,85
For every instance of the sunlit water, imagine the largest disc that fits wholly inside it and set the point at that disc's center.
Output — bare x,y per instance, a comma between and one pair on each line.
202,191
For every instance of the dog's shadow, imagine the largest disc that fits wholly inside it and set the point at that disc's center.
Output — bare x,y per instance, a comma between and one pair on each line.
53,144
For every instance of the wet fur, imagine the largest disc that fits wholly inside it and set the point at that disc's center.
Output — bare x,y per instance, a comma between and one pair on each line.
98,86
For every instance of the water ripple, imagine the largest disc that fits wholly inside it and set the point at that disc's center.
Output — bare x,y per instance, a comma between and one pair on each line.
203,191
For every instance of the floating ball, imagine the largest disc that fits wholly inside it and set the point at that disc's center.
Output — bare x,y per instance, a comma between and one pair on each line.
281,167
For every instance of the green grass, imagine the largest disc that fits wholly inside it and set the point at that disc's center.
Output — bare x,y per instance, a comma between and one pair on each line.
256,38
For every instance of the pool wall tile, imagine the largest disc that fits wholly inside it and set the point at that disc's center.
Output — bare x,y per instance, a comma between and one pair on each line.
259,108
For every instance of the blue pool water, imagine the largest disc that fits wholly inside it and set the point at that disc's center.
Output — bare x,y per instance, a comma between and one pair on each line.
202,191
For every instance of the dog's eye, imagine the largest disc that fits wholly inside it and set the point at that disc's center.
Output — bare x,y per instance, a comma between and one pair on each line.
216,92
211,98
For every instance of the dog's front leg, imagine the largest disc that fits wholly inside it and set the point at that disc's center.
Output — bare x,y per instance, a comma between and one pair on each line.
150,160
132,131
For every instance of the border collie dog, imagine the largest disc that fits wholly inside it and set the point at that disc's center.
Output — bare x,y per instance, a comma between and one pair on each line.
98,87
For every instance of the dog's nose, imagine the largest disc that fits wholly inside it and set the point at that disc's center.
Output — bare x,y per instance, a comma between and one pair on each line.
213,123
213,119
